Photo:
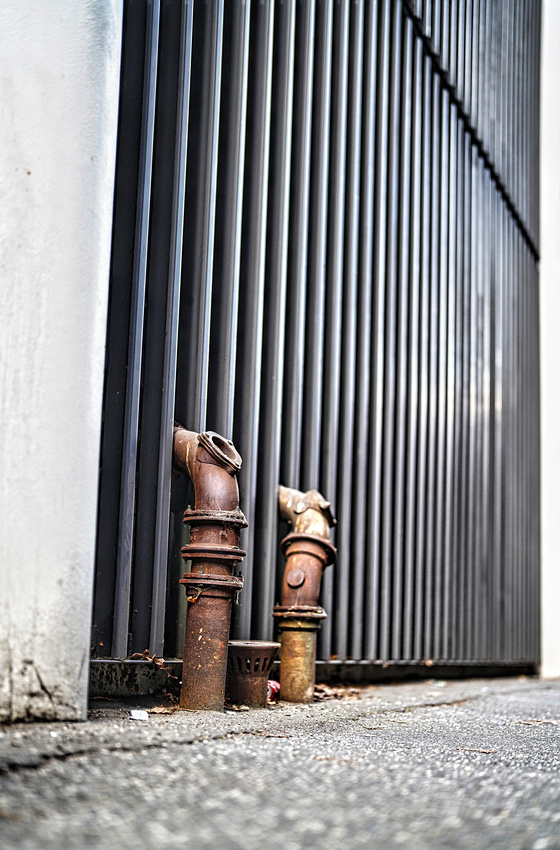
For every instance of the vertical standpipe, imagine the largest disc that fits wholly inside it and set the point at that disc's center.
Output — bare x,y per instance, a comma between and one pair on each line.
215,524
308,551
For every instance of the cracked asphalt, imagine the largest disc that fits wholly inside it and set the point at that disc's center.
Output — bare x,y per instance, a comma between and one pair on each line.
433,764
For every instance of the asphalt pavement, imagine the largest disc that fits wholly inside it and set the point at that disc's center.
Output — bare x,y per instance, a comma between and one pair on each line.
433,764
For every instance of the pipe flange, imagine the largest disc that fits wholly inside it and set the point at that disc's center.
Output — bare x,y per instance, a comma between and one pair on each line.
299,625
295,537
299,612
205,579
199,584
233,518
221,449
213,553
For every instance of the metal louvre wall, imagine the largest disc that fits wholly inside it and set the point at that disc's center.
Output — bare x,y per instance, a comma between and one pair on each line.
325,248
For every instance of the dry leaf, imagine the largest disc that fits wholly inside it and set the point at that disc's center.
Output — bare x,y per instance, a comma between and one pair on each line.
163,709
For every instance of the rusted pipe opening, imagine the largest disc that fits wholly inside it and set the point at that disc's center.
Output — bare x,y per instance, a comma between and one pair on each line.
212,463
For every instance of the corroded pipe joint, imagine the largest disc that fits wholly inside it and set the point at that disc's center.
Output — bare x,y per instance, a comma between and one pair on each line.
308,513
216,520
212,463
307,547
299,612
210,559
306,557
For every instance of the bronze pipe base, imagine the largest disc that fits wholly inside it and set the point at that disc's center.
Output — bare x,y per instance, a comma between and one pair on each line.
298,650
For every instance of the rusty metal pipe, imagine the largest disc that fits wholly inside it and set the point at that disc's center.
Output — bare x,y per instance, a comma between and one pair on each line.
206,640
308,552
212,463
213,550
216,519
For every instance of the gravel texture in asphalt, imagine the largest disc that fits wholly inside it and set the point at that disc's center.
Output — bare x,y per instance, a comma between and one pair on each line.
434,764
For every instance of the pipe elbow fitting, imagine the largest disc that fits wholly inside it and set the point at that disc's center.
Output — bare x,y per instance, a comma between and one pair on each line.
212,463
308,551
307,513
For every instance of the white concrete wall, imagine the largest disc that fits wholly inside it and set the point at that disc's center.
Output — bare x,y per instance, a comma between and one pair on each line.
59,74
550,336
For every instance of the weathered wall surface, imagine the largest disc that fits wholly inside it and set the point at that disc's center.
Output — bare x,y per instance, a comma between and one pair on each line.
59,74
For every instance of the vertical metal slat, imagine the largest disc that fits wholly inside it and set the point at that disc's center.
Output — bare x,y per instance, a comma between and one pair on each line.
344,577
132,398
402,331
377,369
171,329
414,348
229,209
252,282
314,329
292,414
362,613
334,290
265,533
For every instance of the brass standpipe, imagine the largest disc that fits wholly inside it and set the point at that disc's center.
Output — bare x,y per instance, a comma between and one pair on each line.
308,551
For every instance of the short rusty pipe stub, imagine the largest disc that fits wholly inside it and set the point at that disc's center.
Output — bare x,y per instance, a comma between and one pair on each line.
249,664
206,639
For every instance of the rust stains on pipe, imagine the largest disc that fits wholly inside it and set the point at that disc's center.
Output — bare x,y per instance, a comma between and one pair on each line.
307,547
215,524
308,551
216,519
206,640
306,558
212,463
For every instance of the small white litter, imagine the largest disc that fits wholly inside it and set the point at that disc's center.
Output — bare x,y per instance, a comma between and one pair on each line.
136,714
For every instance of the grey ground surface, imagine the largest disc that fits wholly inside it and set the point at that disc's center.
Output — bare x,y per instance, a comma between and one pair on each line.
426,765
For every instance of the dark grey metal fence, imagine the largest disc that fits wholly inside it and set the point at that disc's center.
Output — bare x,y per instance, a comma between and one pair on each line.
325,247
